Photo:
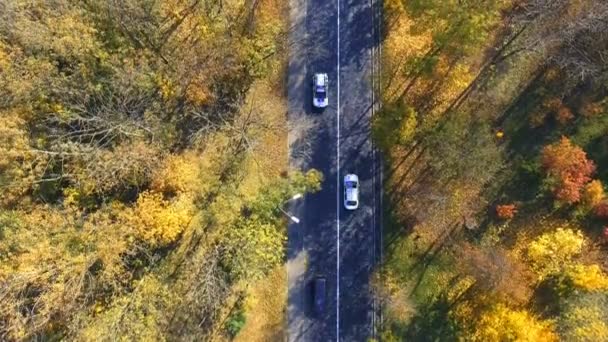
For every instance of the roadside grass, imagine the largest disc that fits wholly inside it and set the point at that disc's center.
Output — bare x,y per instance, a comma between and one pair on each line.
264,309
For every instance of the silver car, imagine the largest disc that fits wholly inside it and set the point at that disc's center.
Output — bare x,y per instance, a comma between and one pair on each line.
351,192
319,90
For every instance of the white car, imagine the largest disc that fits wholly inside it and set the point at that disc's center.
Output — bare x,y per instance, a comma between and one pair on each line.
319,90
351,192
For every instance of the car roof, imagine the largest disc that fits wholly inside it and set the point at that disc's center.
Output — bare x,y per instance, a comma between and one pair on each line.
320,79
351,194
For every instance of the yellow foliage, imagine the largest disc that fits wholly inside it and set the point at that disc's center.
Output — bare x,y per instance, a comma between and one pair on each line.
178,174
504,324
160,222
167,89
552,252
593,194
18,167
408,126
138,316
198,93
588,277
103,170
54,251
390,290
265,308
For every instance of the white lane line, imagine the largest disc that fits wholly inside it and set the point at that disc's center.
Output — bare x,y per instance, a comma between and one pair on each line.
338,185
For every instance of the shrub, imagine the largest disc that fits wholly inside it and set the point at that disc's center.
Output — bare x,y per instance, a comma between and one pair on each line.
506,211
563,115
235,323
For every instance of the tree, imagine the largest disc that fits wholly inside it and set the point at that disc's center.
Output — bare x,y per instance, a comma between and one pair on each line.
501,323
554,252
255,242
593,194
20,166
158,221
568,169
496,273
583,317
588,277
178,174
138,315
394,126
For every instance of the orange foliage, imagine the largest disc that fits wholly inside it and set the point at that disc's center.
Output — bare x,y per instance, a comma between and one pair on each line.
564,115
568,168
589,109
506,211
554,105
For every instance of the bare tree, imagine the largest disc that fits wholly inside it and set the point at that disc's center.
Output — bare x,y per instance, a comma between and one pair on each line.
301,139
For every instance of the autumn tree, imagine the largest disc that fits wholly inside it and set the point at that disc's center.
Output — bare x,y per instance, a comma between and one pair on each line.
496,273
124,150
502,323
255,243
459,153
593,194
554,252
568,169
601,210
583,317
587,277
394,126
506,211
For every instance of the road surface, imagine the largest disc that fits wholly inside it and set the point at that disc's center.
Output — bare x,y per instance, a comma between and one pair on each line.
338,37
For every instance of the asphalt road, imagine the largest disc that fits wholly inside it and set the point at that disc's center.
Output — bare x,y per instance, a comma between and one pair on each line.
337,37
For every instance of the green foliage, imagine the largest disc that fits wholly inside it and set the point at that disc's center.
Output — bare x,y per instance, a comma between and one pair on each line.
395,125
584,317
256,240
269,202
236,321
463,149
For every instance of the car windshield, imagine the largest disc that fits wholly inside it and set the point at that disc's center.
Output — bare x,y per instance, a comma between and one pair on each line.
350,184
320,92
351,203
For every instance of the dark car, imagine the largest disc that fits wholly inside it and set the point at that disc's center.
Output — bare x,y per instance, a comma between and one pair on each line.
318,295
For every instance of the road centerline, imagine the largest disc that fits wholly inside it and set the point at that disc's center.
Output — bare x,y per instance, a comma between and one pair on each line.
338,177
